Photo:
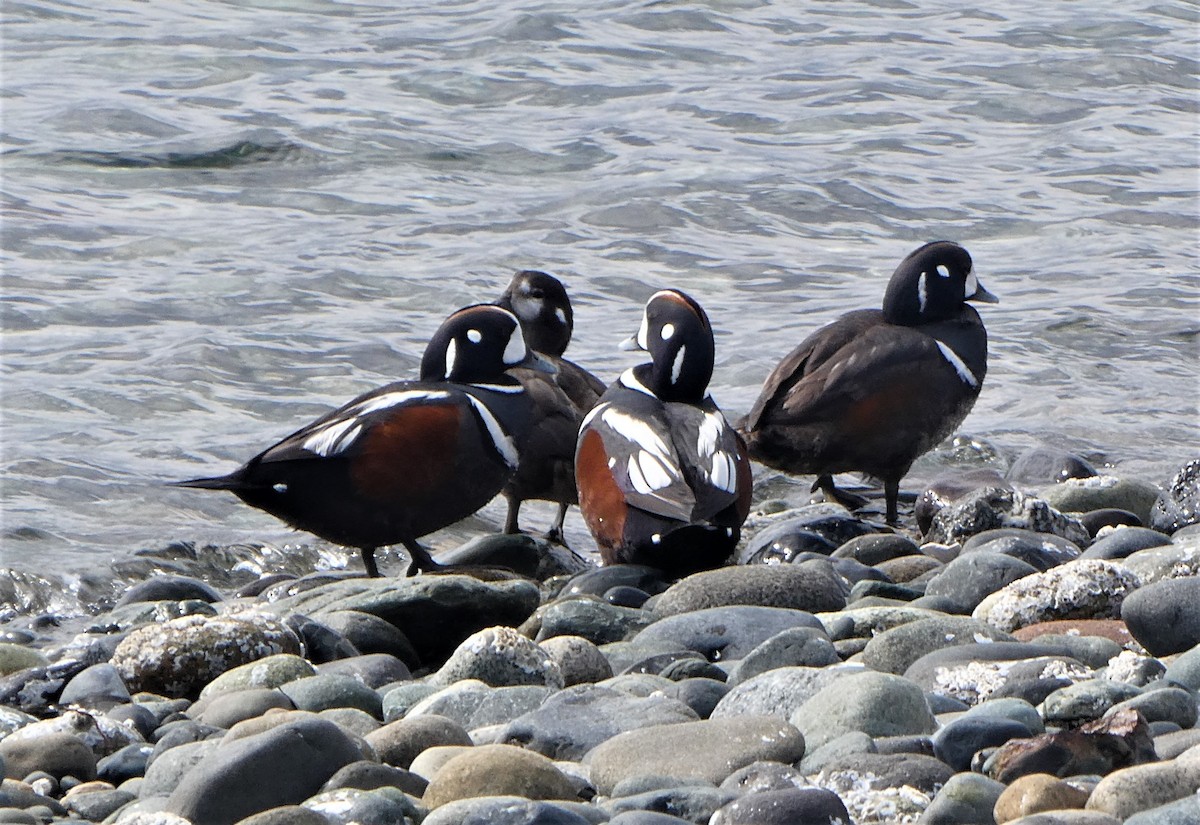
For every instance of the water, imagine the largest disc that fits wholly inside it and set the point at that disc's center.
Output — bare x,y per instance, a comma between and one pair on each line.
224,218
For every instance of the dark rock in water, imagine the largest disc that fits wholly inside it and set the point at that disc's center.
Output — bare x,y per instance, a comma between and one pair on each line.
435,612
281,766
893,770
1178,505
321,642
794,806
371,634
36,690
1097,520
600,581
366,775
1125,541
820,528
812,586
573,721
971,577
958,742
169,588
1045,465
58,754
894,650
721,633
966,798
992,508
522,554
948,488
1042,550
1118,740
1165,616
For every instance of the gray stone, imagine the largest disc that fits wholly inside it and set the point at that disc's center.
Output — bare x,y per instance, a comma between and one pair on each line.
367,775
764,776
1103,492
267,672
1124,541
16,657
352,720
1084,701
284,765
578,659
224,710
966,799
710,749
500,656
590,618
956,743
372,635
894,650
1165,616
973,673
968,579
372,669
1185,670
1082,589
169,588
811,586
1040,550
331,690
167,769
725,632
1131,790
181,656
781,691
398,743
868,622
97,805
398,701
795,647
58,753
285,815
1045,464
1164,705
504,810
435,612
1179,559
99,687
876,548
878,704
497,770
1012,708
1178,505
889,770
472,704
574,721
992,508
855,741
701,695
691,803
1184,811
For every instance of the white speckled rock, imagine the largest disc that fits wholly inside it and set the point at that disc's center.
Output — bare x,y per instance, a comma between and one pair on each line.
181,656
1081,589
103,736
500,656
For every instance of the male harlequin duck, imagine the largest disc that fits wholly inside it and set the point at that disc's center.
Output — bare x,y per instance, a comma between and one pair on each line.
663,479
408,458
560,399
875,389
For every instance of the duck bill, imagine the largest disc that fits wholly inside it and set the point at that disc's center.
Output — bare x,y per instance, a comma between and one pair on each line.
536,361
630,344
983,296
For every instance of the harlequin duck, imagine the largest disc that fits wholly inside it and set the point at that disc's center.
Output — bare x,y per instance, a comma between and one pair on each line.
408,458
875,389
560,399
663,479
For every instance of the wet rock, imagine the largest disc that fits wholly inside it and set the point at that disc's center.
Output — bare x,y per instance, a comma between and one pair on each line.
992,508
1123,542
1128,791
1043,464
1040,550
472,704
267,672
180,657
523,554
498,770
1097,520
398,743
782,691
878,704
820,528
708,750
1165,616
795,806
966,799
1115,741
169,588
951,487
573,721
725,632
894,650
811,586
435,612
601,580
1037,792
876,548
284,765
958,742
500,656
328,690
1178,505
597,621
579,661
1082,589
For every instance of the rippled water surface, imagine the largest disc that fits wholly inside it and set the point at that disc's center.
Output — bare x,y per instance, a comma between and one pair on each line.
223,218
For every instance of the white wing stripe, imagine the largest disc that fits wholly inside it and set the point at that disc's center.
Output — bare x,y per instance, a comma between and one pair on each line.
333,438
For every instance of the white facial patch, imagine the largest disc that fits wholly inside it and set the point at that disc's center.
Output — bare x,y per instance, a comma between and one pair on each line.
474,336
514,352
677,365
943,270
667,331
922,292
972,285
643,336
451,357
560,315
500,439
959,365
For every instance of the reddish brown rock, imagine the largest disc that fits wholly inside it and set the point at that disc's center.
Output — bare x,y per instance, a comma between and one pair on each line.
1113,629
1116,740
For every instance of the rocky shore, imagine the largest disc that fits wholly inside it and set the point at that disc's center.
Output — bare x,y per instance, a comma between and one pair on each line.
1033,657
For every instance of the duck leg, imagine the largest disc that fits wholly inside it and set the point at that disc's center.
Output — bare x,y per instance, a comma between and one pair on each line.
368,557
419,559
511,522
891,492
555,533
825,484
